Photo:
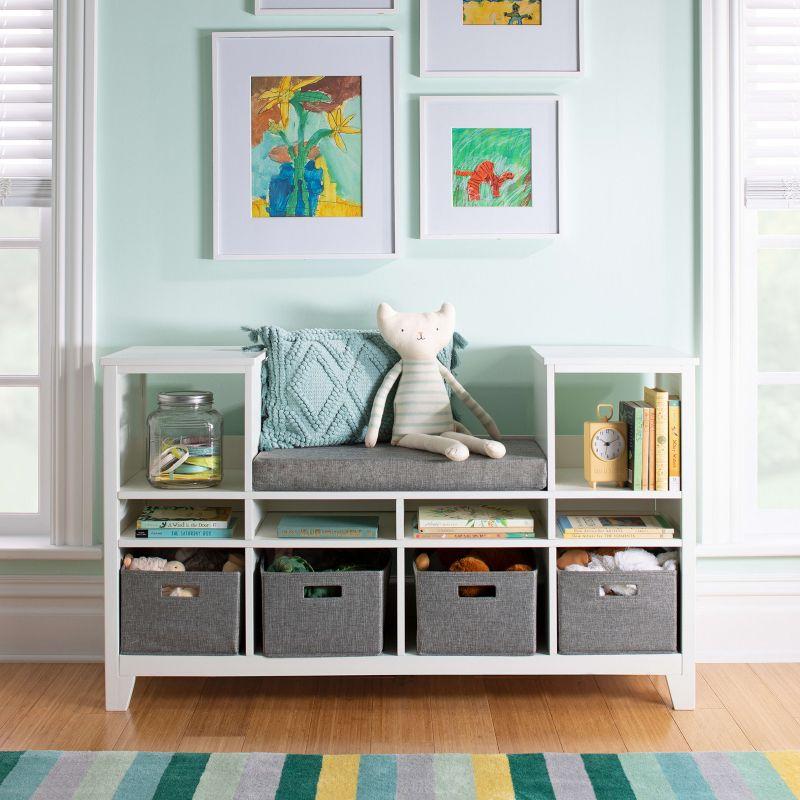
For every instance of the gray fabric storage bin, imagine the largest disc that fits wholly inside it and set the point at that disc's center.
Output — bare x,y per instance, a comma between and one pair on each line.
350,625
503,625
647,622
386,468
204,625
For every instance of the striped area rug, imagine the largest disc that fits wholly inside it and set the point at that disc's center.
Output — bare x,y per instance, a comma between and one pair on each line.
269,776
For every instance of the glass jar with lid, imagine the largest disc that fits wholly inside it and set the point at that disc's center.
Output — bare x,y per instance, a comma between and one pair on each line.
184,441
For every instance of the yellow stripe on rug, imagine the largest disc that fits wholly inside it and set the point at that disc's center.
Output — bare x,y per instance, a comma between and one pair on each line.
338,778
787,765
492,778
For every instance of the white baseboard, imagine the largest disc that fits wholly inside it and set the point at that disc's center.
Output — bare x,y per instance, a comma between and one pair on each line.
51,618
739,618
748,617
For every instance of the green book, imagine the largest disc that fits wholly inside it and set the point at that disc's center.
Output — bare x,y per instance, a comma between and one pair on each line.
328,526
632,414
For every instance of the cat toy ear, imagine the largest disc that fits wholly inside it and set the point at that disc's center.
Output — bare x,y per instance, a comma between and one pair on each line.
448,311
384,312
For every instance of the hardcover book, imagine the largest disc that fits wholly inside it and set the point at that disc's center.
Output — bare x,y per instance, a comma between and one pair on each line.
620,526
184,517
187,533
508,518
674,443
648,447
659,399
633,416
328,526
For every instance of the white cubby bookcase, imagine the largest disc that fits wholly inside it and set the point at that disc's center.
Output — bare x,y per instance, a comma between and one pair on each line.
126,490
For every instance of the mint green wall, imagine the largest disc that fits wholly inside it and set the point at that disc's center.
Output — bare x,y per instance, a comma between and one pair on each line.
622,272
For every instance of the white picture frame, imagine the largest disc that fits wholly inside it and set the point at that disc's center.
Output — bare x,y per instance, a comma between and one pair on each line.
239,56
325,6
440,217
448,48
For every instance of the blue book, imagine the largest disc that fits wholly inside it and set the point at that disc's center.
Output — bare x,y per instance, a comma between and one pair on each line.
187,533
328,526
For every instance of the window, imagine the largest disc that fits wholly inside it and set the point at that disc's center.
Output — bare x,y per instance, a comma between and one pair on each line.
46,376
26,369
26,265
751,388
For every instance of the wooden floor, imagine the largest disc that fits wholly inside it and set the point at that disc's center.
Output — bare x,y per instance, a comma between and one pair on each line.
740,707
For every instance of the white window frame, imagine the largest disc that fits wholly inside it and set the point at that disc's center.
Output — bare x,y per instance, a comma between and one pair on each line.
728,471
40,523
70,530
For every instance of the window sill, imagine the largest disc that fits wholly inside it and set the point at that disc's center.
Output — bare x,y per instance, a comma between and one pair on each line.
767,549
39,548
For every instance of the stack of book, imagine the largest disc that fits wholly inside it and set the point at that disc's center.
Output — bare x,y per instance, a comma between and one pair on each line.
654,441
483,521
328,526
173,522
621,526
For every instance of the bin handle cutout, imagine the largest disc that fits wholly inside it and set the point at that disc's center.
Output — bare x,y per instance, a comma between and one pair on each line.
477,590
618,590
170,590
321,592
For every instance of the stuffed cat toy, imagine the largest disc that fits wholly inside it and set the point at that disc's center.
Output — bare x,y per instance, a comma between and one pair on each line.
423,418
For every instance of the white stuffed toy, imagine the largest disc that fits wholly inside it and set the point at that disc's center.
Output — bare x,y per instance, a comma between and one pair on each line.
423,417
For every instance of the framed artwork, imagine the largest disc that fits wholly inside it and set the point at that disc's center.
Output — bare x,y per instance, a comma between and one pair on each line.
489,167
304,163
500,37
325,6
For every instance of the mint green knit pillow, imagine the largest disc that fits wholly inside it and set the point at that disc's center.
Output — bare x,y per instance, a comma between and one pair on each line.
317,385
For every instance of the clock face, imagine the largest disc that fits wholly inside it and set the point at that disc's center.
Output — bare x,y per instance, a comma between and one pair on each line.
608,444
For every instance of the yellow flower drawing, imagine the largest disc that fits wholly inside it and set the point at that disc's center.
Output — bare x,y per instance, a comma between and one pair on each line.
340,124
282,94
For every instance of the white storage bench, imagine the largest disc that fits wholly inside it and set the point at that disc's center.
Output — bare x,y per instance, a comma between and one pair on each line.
541,471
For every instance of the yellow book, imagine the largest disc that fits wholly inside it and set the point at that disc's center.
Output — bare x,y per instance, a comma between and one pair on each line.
674,443
659,399
648,468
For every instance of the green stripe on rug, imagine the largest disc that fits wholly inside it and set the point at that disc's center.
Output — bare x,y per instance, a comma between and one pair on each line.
608,777
104,775
530,777
299,778
377,778
760,776
646,777
181,776
8,761
29,771
455,779
141,780
222,776
684,776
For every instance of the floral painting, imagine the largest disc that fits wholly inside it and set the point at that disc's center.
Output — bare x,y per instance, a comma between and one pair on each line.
492,167
502,12
306,146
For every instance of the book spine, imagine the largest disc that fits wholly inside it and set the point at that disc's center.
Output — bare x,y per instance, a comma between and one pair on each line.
674,444
628,533
479,524
184,533
660,400
186,524
632,416
651,448
476,535
322,533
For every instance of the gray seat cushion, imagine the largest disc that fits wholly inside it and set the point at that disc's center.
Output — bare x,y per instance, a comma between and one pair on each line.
355,468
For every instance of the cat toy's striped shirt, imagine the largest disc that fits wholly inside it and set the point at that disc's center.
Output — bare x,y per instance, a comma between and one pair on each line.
422,404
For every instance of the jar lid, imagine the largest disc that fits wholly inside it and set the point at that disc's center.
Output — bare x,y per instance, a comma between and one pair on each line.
196,398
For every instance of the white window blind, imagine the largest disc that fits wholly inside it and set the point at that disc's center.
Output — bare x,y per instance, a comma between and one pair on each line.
771,103
26,102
